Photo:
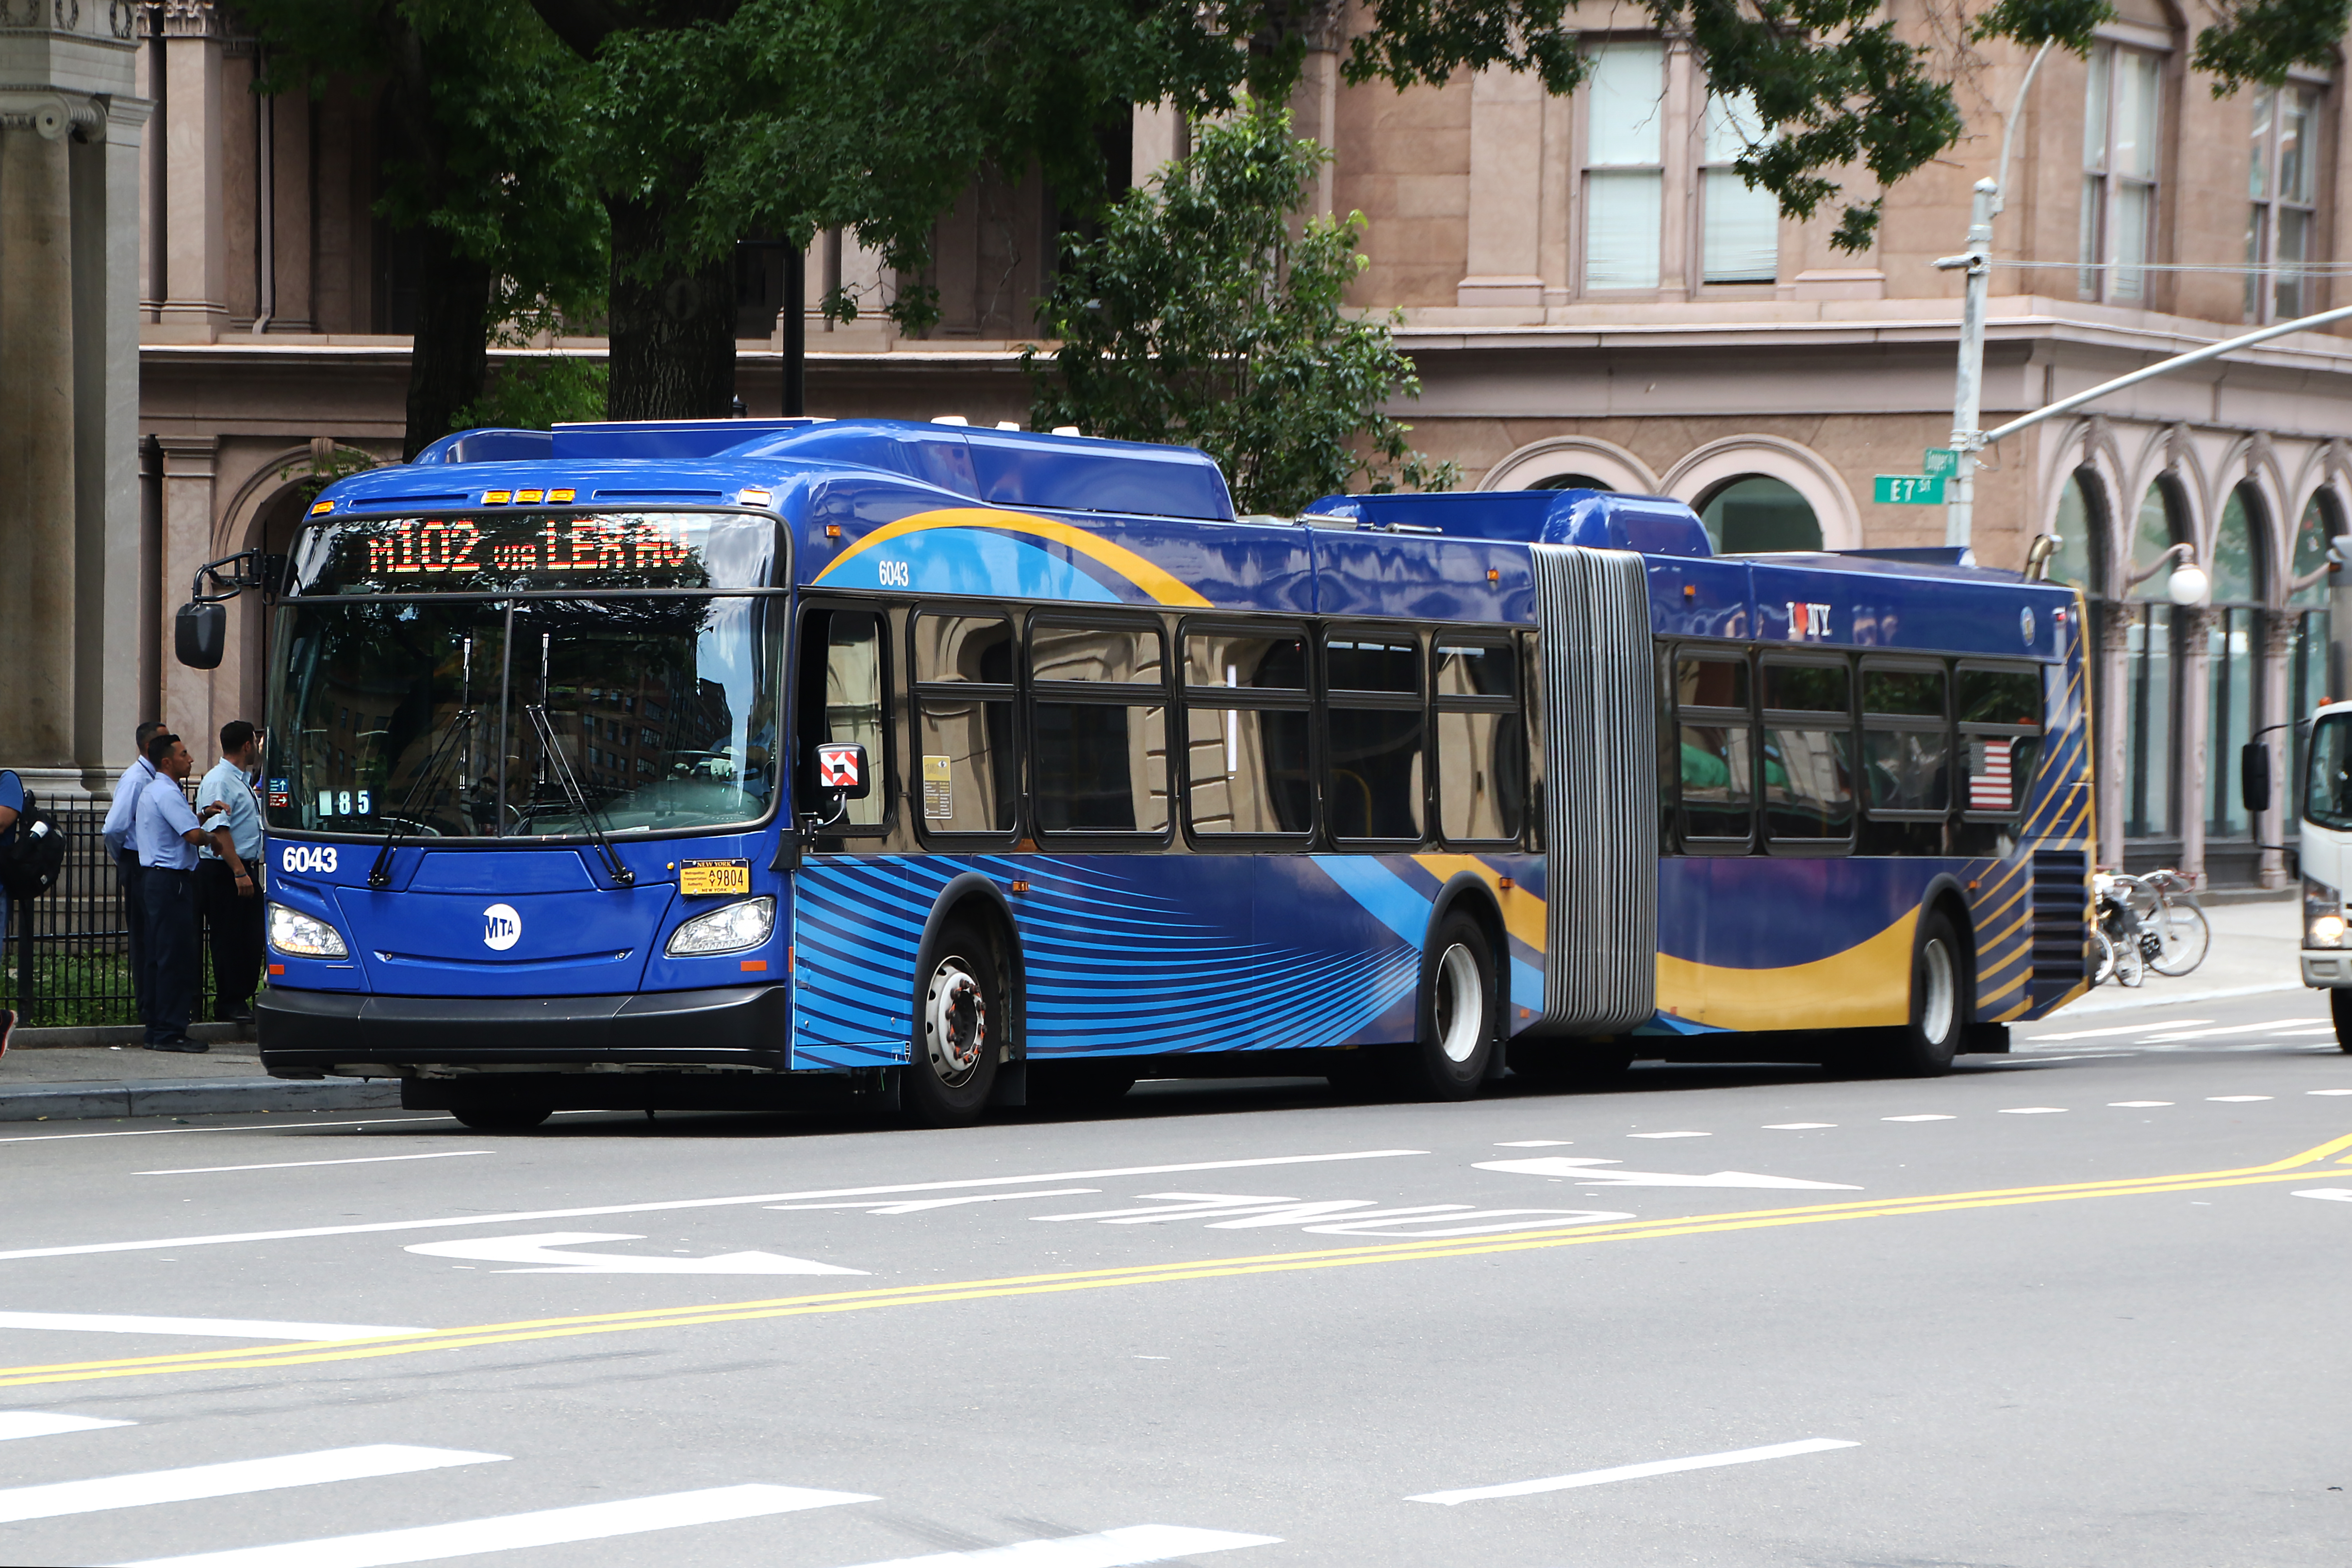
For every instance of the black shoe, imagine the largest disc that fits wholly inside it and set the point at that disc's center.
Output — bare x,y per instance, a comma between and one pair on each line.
237,1016
182,1044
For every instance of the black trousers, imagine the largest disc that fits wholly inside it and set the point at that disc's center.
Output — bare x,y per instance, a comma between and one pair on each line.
134,877
233,926
171,954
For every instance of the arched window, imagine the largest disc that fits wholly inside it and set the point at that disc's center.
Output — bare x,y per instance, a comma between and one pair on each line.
2308,683
2232,659
2081,514
1570,482
1757,512
2150,659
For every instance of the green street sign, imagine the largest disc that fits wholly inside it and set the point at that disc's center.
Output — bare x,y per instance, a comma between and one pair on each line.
1907,490
1939,461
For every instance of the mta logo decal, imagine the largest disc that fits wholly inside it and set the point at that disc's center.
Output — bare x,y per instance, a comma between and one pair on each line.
1808,623
501,927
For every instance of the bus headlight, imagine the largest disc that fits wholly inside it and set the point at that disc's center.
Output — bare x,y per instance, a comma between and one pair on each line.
2322,915
304,936
728,930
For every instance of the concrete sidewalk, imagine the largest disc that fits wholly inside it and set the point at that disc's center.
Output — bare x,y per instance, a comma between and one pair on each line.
2255,950
75,1082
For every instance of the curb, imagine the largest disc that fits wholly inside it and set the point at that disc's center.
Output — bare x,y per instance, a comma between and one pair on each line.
87,1037
197,1097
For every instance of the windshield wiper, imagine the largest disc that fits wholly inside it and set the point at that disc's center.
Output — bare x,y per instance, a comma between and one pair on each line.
380,874
548,751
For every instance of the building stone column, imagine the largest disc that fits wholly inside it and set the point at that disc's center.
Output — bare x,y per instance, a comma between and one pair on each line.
2111,692
116,639
37,436
190,465
2272,688
2190,737
1507,205
196,251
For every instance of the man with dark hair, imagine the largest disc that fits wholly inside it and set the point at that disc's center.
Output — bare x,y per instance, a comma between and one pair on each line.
166,834
117,834
229,870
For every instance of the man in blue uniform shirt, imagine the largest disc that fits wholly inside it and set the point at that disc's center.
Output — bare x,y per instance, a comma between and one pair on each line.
166,833
117,834
229,877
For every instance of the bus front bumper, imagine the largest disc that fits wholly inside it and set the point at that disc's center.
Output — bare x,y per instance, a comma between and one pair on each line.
304,1034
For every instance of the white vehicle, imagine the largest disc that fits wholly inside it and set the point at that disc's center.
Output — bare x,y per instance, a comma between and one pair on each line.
2326,849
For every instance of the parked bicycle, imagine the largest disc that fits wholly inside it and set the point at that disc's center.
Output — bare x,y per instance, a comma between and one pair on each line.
2167,905
2125,946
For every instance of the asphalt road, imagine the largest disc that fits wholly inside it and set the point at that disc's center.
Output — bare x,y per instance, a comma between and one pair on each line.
2084,1305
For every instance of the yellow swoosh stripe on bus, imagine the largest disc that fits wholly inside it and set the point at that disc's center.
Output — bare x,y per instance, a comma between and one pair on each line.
1867,986
1155,580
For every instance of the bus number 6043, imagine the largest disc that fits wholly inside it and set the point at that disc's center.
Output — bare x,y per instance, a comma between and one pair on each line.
894,573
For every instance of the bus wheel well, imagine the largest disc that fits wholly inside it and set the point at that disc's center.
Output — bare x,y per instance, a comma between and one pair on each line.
1471,896
975,901
1947,901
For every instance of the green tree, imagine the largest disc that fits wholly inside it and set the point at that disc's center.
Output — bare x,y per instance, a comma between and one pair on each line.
1207,312
483,167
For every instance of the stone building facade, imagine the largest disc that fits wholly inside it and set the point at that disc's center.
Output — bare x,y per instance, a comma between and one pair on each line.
1591,296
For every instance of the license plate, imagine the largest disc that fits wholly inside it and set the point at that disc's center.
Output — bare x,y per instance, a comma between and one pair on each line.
714,876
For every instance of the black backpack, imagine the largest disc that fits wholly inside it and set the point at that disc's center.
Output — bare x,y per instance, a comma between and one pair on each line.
31,859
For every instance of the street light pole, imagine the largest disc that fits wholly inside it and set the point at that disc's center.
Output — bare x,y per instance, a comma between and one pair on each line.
1967,397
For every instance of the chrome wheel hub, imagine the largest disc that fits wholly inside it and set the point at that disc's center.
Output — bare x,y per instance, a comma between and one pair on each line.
1460,1004
955,1022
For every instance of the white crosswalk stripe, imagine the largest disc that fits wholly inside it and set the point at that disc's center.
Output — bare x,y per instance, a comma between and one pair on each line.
57,1500
548,1527
47,1424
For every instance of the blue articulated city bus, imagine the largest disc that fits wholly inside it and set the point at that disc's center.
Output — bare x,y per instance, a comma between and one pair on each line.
747,764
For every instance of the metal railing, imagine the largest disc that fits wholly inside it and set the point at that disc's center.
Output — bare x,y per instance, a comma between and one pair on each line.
67,960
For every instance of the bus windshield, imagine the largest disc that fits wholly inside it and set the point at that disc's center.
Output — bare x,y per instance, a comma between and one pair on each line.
524,718
2327,786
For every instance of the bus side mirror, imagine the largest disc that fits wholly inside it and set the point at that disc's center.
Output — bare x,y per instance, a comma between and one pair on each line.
2255,776
841,770
200,635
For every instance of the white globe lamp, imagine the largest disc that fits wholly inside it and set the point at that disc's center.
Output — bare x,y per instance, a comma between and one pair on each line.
2189,587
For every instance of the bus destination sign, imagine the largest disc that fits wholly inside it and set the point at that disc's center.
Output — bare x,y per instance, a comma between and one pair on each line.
518,552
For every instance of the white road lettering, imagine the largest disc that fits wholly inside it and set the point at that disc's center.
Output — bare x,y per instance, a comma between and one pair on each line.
1335,1217
1589,1170
446,1222
547,1527
1635,1472
57,1499
1112,1549
203,1328
541,1250
298,1165
47,1424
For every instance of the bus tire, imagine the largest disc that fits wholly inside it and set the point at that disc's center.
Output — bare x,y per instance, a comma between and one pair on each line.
1924,1047
2339,1007
1460,1005
502,1118
958,1033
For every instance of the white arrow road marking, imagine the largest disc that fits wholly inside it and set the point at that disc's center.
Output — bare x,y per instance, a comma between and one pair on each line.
1585,1170
1112,1549
1635,1472
43,1424
207,1328
1339,1216
546,1527
924,1205
540,1249
235,1479
2339,1194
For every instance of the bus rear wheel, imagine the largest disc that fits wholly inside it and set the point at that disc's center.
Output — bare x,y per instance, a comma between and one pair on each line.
1925,1045
959,1032
1459,1006
502,1118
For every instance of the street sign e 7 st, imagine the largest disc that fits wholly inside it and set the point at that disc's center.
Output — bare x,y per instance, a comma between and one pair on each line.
1907,490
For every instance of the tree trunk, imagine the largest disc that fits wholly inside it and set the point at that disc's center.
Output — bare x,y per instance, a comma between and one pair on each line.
450,363
673,336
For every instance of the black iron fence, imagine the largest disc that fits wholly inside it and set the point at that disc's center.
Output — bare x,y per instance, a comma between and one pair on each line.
67,960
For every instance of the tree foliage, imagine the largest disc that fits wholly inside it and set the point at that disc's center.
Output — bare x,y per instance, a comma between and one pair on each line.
483,166
1205,312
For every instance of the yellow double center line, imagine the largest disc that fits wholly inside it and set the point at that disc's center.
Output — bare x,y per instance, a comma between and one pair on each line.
2295,1167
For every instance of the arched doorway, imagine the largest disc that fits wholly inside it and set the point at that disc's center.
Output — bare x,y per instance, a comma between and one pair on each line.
1757,513
2151,659
2233,665
2309,682
1570,482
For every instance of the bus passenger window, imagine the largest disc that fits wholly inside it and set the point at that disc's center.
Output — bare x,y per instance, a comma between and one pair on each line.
1245,732
1907,750
1716,766
1999,714
1481,745
1372,724
967,773
1101,729
1808,752
841,700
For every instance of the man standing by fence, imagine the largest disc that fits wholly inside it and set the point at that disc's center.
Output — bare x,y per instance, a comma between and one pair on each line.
229,874
166,833
117,834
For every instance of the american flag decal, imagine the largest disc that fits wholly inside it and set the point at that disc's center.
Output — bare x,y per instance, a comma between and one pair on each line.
1989,785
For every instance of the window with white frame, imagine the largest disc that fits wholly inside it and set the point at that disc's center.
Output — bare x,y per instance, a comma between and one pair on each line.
2282,181
1624,164
2122,114
1739,227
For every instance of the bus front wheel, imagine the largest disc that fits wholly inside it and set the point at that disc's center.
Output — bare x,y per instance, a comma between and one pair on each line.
959,1026
1459,1006
1925,1045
